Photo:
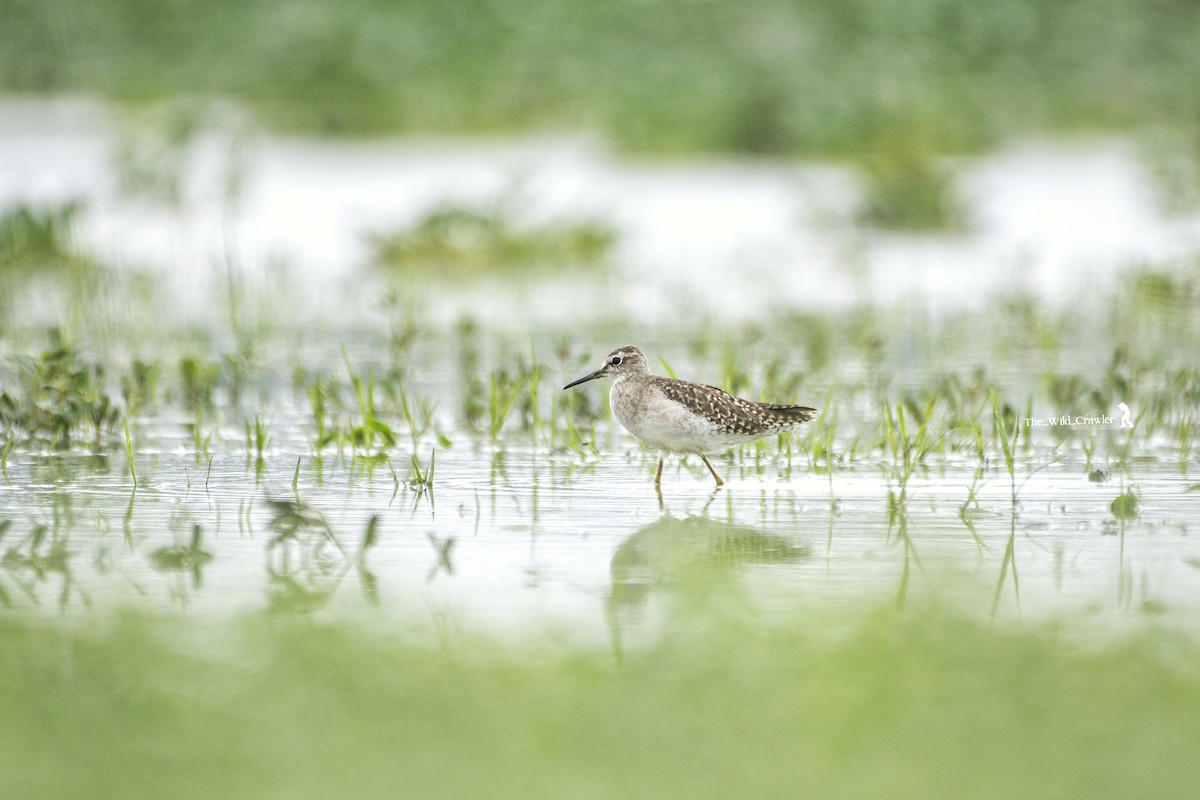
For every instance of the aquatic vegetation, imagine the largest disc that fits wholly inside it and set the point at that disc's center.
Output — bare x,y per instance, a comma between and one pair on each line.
199,379
907,449
129,454
461,242
1125,507
10,442
420,480
317,392
36,240
908,188
371,435
258,438
966,400
1005,428
32,239
821,440
139,387
504,389
418,416
62,396
516,387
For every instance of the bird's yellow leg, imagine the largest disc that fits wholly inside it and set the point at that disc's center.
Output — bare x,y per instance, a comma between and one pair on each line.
713,471
658,473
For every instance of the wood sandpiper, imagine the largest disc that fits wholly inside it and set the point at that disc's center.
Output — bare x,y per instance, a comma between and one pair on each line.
683,417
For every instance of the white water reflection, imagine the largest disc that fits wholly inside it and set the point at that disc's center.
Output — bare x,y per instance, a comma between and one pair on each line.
1046,218
545,544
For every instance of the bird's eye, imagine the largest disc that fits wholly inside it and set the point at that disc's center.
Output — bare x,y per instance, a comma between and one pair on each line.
615,361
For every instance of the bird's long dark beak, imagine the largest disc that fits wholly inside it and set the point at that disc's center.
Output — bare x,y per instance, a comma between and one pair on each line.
598,373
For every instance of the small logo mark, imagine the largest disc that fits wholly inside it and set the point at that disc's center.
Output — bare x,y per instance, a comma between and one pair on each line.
1126,422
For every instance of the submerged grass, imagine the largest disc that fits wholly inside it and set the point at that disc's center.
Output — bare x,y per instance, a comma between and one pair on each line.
899,704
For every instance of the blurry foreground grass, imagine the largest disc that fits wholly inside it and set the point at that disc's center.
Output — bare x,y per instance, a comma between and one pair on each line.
899,704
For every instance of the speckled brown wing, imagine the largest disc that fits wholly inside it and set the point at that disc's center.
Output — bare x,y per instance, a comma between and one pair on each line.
732,414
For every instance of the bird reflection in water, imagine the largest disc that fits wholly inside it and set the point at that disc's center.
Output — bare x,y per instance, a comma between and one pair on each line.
685,553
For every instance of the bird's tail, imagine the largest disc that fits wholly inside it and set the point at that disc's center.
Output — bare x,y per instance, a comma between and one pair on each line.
798,413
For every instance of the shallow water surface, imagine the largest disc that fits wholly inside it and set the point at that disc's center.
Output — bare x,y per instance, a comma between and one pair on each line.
514,538
754,276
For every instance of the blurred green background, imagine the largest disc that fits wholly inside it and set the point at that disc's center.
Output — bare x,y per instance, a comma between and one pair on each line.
834,77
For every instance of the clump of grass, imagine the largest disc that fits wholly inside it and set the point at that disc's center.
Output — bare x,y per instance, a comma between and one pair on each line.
418,415
908,188
575,440
62,396
139,387
965,400
515,388
503,392
907,446
371,432
199,378
457,241
820,440
201,436
420,480
258,437
575,414
34,239
318,391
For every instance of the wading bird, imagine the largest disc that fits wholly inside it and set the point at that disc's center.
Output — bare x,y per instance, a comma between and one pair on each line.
682,417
